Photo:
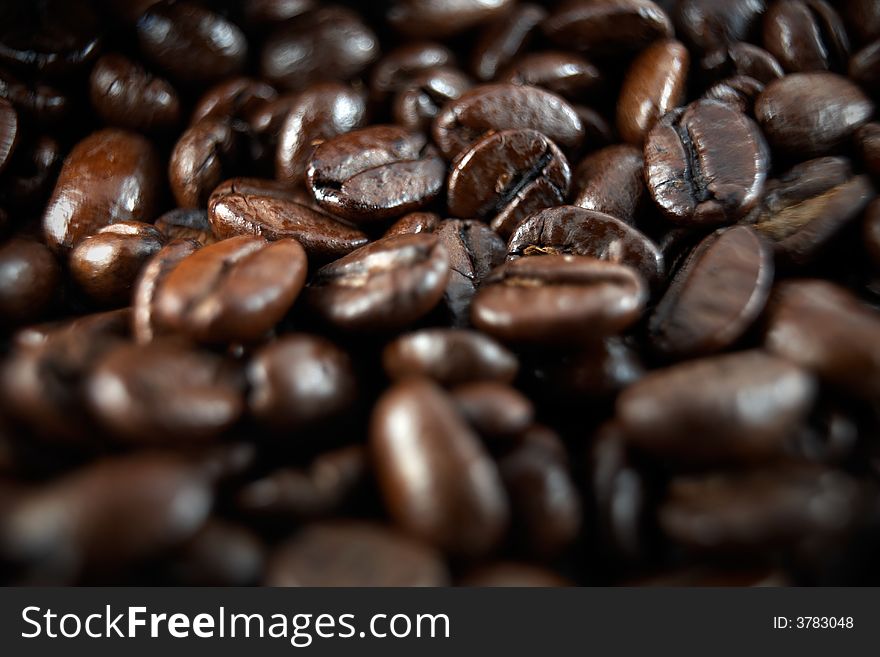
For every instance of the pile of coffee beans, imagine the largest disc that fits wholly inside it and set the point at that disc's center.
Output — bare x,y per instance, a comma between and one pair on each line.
433,292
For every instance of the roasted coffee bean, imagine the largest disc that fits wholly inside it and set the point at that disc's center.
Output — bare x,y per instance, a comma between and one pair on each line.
110,176
421,18
502,40
449,357
506,176
106,264
567,74
237,98
220,554
382,286
810,114
493,409
375,173
414,222
735,407
495,107
186,224
333,481
234,290
40,101
738,513
864,66
163,394
824,328
322,111
558,299
805,35
299,381
611,180
29,181
808,205
190,42
260,12
394,71
708,24
705,164
200,160
862,19
716,295
144,326
474,250
599,369
740,92
572,230
742,59
125,94
437,480
654,84
327,43
512,574
242,213
9,132
354,553
604,28
415,106
29,280
868,141
872,232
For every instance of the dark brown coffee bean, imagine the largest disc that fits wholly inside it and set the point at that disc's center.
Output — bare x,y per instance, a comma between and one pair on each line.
493,409
9,132
354,554
506,176
327,43
742,59
862,19
740,92
809,204
415,106
739,513
242,213
110,176
872,232
868,143
864,67
512,574
40,101
428,18
394,71
236,98
322,111
437,480
611,180
186,224
106,264
558,299
599,369
474,250
234,290
449,357
824,328
735,407
163,394
144,326
709,24
654,84
382,286
572,230
30,179
375,173
809,114
125,94
495,107
706,164
805,35
414,222
564,73
190,42
502,40
716,295
220,554
299,381
200,160
29,279
607,28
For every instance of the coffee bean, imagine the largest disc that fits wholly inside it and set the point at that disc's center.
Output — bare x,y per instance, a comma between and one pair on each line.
868,142
493,409
862,19
190,42
872,232
740,92
506,176
807,205
163,394
414,222
824,328
110,176
741,59
597,131
512,574
9,132
805,35
105,265
236,98
437,480
415,106
300,381
234,290
705,164
219,554
558,299
421,18
354,553
567,74
864,66
29,182
186,224
655,84
449,357
708,24
375,173
382,286
495,107
125,94
735,407
572,230
395,70
40,101
502,40
260,12
29,280
200,160
611,180
810,114
716,295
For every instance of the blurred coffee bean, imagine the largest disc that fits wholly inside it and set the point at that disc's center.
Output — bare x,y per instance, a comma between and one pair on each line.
186,224
872,233
415,106
864,67
709,24
740,92
868,143
743,59
220,554
260,12
862,19
201,158
394,71
32,174
611,180
236,98
599,370
437,20
564,73
9,132
29,281
806,35
503,39
414,222
493,409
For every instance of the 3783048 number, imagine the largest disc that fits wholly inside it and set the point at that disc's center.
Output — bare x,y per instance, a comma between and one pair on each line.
824,622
